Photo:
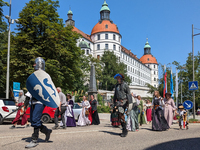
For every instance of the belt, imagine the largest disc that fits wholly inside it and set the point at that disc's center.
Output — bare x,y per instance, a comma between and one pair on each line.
156,106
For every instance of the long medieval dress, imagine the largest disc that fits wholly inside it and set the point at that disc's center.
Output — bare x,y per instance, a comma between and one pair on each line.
159,123
21,118
95,116
70,118
142,114
83,119
169,110
149,112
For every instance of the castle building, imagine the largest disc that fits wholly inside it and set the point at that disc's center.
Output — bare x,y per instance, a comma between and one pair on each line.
105,36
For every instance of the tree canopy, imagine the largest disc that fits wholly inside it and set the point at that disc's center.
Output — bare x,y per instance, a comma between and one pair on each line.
3,48
111,66
41,33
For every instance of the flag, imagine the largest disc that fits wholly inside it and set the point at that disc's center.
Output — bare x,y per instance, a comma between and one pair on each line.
171,84
176,88
165,81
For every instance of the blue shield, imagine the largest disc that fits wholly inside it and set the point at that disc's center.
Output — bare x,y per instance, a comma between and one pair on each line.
41,87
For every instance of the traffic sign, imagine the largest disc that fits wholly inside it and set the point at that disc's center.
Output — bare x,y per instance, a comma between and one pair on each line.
187,104
193,85
16,89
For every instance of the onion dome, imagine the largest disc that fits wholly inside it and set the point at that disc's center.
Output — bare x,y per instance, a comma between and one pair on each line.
83,44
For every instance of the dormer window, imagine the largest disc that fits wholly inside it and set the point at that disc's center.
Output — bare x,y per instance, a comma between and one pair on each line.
106,26
148,59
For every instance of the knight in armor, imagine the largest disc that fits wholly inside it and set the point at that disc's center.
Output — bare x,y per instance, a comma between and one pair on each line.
36,109
121,101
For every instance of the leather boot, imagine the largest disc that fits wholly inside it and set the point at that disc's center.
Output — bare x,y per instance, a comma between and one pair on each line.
47,132
124,130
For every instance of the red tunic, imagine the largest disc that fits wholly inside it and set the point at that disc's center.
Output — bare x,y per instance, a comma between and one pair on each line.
20,119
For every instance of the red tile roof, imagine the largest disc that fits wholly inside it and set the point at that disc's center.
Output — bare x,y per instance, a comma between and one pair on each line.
86,36
105,26
128,52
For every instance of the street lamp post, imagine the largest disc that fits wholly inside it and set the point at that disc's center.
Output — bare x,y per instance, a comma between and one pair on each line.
181,91
10,21
193,67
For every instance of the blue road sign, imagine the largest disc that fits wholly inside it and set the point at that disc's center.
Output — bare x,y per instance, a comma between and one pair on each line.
193,85
187,104
16,88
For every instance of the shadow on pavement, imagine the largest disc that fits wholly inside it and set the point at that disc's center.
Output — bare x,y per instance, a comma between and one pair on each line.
183,144
111,133
10,143
28,139
146,128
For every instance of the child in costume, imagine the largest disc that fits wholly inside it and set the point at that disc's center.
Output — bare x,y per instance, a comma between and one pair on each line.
183,118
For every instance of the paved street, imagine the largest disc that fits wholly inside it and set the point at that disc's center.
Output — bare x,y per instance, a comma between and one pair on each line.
103,137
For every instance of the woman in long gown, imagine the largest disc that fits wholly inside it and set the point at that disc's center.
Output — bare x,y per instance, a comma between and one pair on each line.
148,111
70,118
142,114
83,118
159,122
95,116
169,108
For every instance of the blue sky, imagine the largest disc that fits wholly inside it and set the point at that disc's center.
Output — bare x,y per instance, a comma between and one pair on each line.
167,23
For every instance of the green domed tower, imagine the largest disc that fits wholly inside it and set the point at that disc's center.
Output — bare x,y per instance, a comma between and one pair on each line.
105,12
147,48
70,21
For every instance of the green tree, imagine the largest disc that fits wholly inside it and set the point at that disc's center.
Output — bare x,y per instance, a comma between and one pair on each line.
3,47
41,33
186,74
111,66
86,62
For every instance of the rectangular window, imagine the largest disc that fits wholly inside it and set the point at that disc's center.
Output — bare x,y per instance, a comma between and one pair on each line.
119,38
98,36
119,48
98,47
114,47
106,36
154,66
98,57
106,46
113,36
87,52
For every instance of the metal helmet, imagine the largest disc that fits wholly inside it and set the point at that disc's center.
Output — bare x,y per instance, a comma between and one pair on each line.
39,64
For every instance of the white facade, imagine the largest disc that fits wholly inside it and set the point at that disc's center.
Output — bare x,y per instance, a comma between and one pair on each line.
99,41
106,41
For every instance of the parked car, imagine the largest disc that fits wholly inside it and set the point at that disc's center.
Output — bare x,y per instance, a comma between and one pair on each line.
48,113
6,107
